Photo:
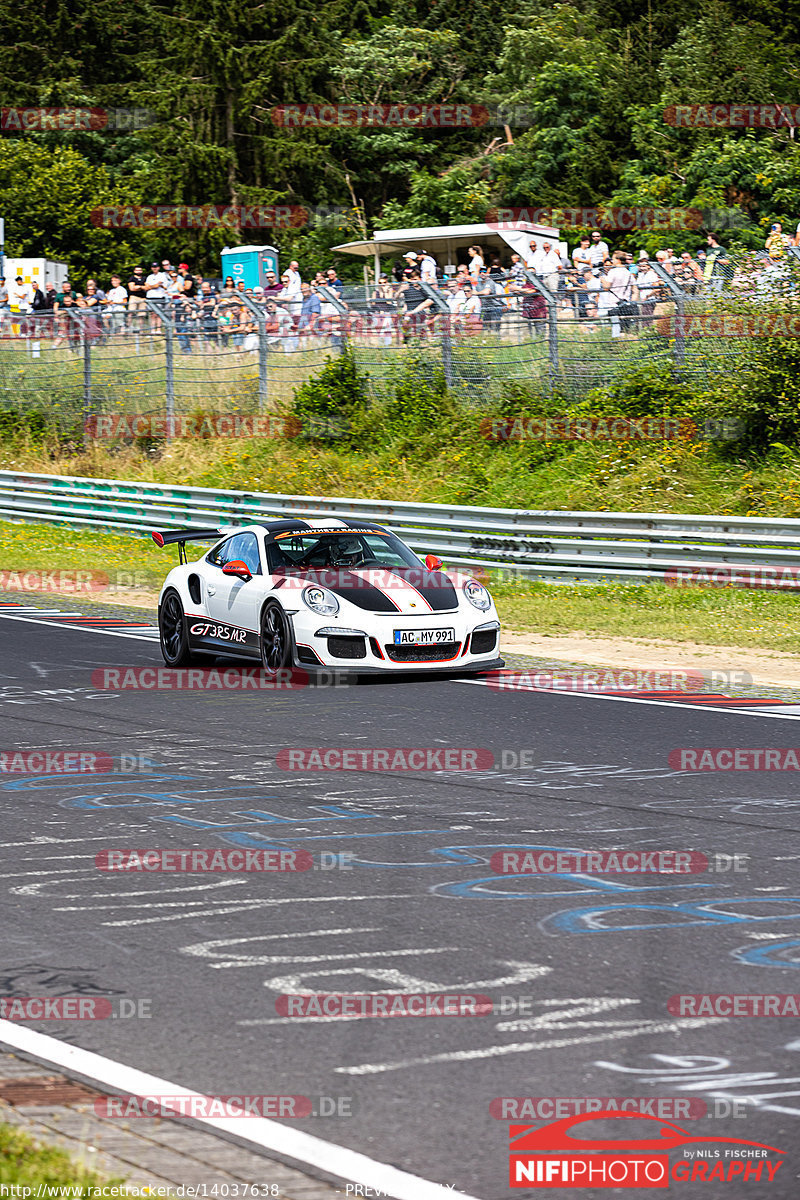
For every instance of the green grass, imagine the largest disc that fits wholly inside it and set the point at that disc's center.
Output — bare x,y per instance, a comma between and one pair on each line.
25,1163
709,615
676,476
135,562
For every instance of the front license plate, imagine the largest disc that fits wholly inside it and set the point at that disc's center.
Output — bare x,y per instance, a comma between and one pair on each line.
423,637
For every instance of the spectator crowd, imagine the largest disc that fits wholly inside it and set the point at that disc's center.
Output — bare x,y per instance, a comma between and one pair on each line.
418,299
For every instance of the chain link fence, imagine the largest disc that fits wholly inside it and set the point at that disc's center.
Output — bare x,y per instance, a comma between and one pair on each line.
560,331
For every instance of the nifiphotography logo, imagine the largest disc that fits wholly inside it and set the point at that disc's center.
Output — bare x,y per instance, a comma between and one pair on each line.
560,1155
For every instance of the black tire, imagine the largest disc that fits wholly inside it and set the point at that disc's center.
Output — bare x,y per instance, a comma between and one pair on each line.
173,631
275,639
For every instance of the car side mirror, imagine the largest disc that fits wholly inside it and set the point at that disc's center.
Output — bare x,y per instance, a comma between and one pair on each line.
433,562
239,569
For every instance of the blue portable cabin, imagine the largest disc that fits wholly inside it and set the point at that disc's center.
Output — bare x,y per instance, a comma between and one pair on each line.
249,263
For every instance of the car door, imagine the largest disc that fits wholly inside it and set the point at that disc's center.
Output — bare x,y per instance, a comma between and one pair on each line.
234,604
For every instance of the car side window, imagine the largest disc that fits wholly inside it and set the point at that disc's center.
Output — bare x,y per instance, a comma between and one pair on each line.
220,554
242,547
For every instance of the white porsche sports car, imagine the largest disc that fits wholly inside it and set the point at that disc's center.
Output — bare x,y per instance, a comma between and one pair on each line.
322,594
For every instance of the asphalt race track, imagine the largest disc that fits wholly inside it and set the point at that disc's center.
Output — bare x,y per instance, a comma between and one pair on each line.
580,968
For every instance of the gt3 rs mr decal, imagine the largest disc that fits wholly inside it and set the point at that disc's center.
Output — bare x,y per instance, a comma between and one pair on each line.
200,631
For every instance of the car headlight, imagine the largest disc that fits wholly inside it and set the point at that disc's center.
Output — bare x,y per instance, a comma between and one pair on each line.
477,595
321,600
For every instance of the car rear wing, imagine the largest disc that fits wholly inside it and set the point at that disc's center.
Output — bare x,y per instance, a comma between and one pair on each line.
167,537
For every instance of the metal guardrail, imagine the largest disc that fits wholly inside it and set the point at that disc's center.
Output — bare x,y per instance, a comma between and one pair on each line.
560,547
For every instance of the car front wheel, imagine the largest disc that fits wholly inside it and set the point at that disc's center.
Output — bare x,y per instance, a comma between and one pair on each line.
174,632
276,640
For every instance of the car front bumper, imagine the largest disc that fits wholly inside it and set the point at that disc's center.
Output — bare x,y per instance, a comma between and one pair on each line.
369,648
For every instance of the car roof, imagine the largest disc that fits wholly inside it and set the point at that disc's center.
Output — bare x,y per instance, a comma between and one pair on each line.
298,525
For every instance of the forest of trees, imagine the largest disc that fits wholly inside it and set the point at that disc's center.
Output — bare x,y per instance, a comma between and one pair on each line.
594,77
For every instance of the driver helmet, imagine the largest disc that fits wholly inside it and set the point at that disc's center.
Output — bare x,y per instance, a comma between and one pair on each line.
346,552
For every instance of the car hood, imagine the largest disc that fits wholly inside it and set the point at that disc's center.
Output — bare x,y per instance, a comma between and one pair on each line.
412,590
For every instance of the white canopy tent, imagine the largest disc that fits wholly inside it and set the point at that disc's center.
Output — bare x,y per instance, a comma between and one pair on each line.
445,241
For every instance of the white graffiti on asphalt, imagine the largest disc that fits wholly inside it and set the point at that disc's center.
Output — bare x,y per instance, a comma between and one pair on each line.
717,1077
13,694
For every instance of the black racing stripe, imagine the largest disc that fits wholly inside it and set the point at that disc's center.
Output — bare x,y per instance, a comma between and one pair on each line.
273,527
433,586
355,589
345,584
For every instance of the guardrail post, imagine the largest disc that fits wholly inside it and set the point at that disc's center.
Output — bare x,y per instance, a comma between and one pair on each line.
679,296
447,339
169,349
333,298
447,353
260,314
552,324
680,338
86,354
168,326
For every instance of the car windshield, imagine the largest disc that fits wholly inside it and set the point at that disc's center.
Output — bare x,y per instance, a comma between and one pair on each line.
344,548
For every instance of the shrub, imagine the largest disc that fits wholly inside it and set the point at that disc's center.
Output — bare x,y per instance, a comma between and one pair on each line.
416,412
649,389
334,404
762,393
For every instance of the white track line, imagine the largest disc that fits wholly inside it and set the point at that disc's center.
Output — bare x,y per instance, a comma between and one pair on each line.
348,1165
793,715
138,637
746,712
